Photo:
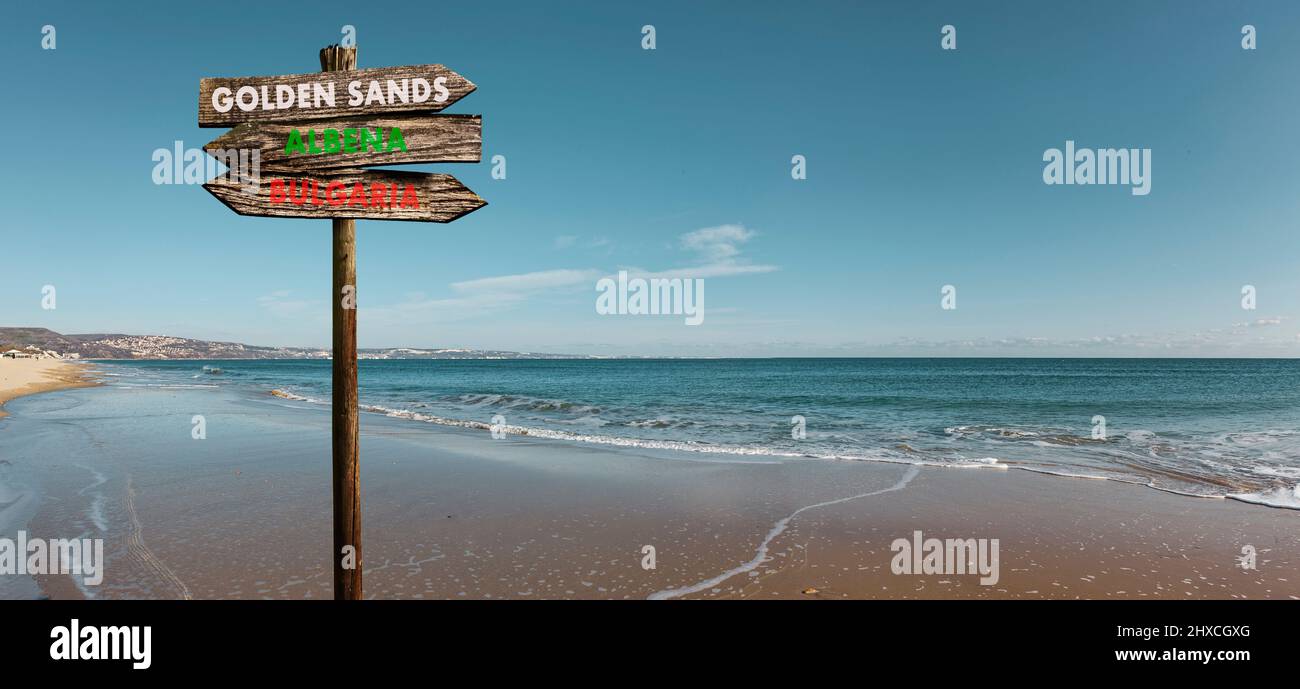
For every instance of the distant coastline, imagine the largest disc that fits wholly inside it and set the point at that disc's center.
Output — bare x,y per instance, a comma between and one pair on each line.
118,347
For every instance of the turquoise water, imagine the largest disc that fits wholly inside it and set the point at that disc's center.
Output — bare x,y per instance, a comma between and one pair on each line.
1204,427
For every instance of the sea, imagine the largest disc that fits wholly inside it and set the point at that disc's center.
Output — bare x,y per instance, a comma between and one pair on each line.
1221,428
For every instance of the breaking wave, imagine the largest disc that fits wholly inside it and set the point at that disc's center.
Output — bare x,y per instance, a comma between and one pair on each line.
1134,456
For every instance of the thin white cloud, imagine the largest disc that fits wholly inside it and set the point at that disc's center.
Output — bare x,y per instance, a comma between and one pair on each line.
1262,322
714,270
280,304
717,244
719,250
527,282
718,247
479,297
568,241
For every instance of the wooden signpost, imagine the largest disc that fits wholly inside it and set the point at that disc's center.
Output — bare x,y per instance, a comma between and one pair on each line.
357,142
364,194
314,134
342,92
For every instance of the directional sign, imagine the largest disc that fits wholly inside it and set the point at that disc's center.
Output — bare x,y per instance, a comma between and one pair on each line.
358,142
226,102
298,150
361,194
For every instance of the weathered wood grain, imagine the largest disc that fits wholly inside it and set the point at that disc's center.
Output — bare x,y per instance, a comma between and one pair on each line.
441,198
429,139
457,87
345,424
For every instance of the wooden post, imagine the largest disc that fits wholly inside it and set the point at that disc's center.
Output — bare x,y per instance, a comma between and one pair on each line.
347,475
424,197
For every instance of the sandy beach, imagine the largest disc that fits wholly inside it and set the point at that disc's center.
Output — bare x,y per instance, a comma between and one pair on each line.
455,514
20,377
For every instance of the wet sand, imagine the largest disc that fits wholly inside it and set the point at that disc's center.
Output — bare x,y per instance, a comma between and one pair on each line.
453,513
1058,538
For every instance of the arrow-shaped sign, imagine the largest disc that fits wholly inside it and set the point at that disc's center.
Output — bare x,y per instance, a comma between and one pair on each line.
362,194
226,102
357,142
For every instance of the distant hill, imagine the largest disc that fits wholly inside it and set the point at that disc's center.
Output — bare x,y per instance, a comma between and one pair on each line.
117,346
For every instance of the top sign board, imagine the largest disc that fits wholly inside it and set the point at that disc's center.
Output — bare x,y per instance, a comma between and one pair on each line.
227,102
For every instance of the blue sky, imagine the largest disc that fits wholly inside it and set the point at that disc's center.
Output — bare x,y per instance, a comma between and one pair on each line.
924,169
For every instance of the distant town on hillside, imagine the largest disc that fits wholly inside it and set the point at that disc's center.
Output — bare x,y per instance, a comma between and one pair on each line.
45,343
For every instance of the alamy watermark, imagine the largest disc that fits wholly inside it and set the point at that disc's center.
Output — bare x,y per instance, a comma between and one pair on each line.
648,560
82,557
77,642
1101,166
180,165
1247,559
651,297
949,40
947,556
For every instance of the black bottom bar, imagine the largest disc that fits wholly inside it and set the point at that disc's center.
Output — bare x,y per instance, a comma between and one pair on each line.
931,638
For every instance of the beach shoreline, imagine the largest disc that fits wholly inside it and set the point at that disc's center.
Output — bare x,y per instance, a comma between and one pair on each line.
452,513
22,377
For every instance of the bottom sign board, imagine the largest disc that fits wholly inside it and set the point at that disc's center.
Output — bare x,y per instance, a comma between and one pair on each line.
361,194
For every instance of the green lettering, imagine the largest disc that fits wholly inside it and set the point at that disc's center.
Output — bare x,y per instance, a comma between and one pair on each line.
395,139
294,144
349,141
312,148
331,141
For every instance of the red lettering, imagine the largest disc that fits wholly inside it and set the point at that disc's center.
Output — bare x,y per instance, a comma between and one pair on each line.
297,191
358,196
329,194
277,191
